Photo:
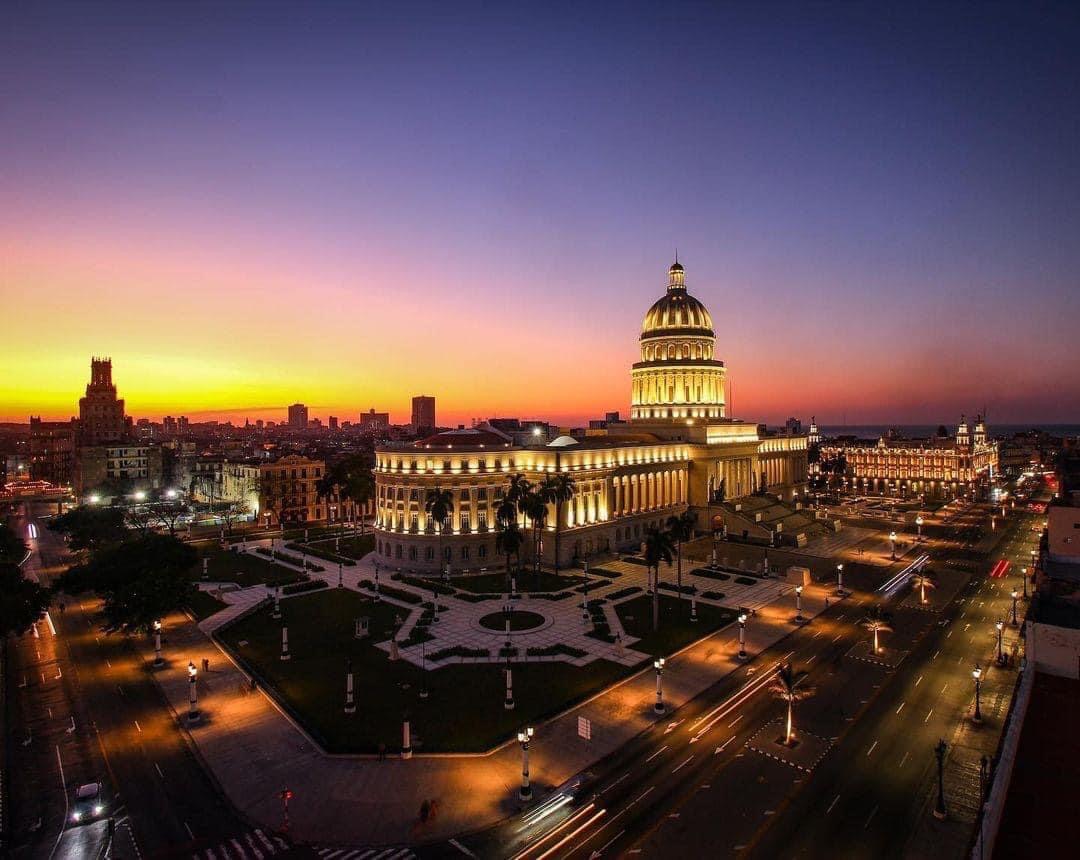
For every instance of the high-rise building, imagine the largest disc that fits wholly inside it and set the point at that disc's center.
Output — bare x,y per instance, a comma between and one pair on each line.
333,422
101,413
52,451
423,415
298,418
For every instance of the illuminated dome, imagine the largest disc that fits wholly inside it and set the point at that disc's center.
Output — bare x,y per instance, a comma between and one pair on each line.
678,376
677,312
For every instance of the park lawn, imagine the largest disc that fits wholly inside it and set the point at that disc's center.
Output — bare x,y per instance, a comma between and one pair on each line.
464,711
242,568
203,604
495,583
356,546
676,629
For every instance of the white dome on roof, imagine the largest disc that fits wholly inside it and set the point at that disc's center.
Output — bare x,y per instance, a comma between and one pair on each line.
562,442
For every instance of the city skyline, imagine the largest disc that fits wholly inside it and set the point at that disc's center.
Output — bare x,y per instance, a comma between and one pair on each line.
238,232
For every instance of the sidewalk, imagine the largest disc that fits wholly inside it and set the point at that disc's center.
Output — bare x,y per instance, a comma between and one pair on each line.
255,752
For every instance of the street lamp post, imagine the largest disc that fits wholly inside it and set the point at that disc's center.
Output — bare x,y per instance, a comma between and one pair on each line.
350,699
423,669
1000,627
742,636
658,665
276,614
340,582
939,808
285,642
693,607
508,701
976,674
840,580
1024,577
376,598
159,661
193,693
892,541
1015,596
798,604
524,736
918,525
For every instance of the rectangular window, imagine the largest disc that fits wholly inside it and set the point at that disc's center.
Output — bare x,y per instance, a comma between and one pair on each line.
429,553
481,551
414,523
481,520
464,553
464,522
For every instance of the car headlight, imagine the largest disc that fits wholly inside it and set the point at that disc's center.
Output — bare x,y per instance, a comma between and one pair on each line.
99,809
75,816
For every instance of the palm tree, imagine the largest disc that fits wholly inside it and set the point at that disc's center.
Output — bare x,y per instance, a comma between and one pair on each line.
534,507
681,528
518,491
788,686
508,542
658,549
922,581
557,489
876,622
439,505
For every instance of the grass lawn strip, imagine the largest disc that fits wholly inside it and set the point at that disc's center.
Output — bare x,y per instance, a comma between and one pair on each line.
463,713
676,629
203,604
242,568
491,583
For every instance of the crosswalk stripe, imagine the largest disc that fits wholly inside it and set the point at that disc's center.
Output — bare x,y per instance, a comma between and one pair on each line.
281,842
266,842
238,848
254,849
336,852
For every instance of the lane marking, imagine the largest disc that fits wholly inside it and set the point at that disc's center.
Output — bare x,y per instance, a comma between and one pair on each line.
138,726
904,759
943,689
873,812
731,725
919,681
898,710
188,829
831,805
681,766
655,754
928,713
157,767
872,746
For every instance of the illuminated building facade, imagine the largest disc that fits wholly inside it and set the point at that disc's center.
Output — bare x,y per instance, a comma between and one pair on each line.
938,467
678,451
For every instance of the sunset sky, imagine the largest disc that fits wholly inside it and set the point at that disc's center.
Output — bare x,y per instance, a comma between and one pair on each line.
347,204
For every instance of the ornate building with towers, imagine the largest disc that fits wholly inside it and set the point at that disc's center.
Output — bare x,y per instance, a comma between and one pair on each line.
679,451
940,466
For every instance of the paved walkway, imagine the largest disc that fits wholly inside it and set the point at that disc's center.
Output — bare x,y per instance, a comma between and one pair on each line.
255,751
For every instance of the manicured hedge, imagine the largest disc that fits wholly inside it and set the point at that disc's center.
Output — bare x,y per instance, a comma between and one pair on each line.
301,587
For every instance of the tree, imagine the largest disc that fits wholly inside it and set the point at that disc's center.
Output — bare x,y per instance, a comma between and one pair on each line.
922,581
91,528
558,489
876,621
534,507
22,601
167,514
658,548
12,548
508,542
439,505
348,478
681,528
721,491
140,580
789,686
518,492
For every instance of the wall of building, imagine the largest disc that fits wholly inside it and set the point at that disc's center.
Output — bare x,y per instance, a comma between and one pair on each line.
1054,650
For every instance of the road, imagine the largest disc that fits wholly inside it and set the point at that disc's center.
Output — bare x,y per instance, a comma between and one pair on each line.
693,786
163,800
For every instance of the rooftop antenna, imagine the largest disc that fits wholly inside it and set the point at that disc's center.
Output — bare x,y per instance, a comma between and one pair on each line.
676,255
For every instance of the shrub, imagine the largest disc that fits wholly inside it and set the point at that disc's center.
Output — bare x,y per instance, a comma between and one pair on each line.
713,595
624,592
669,586
458,651
745,580
307,585
319,552
396,593
555,650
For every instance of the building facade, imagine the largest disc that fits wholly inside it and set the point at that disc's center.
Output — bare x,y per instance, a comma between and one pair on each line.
101,412
937,467
423,415
288,493
52,451
372,421
119,469
679,451
298,416
218,480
